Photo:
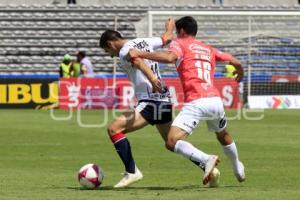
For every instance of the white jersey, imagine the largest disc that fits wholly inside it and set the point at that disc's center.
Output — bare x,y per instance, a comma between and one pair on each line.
89,67
142,86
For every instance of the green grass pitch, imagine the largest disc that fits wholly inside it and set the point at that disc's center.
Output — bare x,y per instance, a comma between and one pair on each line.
40,157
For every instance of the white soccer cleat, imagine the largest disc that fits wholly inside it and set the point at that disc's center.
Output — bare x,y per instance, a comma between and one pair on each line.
239,172
209,166
129,178
214,178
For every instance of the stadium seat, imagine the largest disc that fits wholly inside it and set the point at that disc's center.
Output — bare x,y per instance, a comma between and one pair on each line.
43,33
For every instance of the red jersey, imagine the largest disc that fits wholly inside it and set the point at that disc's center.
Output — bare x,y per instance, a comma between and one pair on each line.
196,66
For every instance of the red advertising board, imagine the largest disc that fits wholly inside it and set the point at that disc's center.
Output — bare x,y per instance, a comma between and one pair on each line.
97,93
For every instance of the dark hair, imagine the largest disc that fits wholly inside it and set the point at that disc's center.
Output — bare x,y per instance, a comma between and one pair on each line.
109,35
188,24
81,54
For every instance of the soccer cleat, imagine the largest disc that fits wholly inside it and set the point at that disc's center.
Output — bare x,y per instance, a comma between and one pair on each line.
209,166
214,180
239,172
129,178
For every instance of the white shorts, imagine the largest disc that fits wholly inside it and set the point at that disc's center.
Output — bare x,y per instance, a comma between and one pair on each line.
209,109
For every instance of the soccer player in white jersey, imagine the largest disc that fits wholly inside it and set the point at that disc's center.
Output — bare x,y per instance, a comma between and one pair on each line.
154,105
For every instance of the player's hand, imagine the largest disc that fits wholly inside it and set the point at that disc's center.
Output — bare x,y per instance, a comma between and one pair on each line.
167,37
239,75
133,53
157,86
170,25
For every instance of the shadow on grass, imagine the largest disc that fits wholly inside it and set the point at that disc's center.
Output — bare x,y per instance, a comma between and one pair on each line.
155,188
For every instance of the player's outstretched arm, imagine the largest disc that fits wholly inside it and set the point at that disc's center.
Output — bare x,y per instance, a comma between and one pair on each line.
158,56
140,64
239,71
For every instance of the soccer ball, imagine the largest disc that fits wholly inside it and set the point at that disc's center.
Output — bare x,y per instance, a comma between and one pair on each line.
90,176
214,178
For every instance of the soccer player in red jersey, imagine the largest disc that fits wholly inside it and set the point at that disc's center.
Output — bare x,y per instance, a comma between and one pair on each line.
195,62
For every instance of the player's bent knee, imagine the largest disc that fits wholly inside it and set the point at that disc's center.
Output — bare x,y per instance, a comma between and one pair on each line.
170,144
115,127
109,130
112,129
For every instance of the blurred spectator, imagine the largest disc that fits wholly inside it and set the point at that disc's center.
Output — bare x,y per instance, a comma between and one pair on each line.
64,67
75,69
71,2
229,69
86,66
220,1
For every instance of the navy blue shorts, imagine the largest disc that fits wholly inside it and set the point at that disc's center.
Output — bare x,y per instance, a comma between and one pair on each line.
155,112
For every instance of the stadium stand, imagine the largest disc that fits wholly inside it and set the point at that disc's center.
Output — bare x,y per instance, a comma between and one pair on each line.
38,36
33,38
153,2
